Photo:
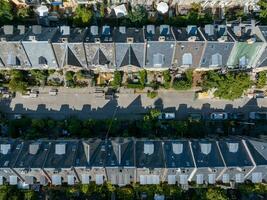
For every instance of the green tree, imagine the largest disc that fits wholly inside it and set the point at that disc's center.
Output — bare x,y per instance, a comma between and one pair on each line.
216,193
17,82
263,11
30,195
23,13
143,77
154,113
102,10
138,15
83,16
117,81
261,82
228,86
74,126
6,15
185,82
125,193
167,79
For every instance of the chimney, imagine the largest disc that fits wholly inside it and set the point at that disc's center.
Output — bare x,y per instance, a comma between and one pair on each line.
161,38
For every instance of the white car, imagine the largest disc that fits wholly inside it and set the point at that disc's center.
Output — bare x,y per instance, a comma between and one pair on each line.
167,116
219,116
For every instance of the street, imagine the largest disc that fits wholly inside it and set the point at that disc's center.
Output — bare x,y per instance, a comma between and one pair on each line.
84,104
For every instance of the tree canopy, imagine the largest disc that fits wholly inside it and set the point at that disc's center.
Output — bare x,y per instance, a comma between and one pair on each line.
83,16
228,86
138,14
263,11
6,15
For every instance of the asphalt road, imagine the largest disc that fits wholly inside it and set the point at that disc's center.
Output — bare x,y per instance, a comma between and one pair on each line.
84,104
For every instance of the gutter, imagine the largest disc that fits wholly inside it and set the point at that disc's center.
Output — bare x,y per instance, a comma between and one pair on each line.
194,161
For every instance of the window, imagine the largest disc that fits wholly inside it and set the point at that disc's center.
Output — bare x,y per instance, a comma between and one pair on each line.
187,59
42,60
158,60
216,59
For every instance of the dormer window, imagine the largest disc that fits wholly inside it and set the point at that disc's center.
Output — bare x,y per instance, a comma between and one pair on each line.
42,60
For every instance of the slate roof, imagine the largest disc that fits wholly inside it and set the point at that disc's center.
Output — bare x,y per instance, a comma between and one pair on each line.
67,159
215,33
210,158
103,34
9,159
178,154
234,153
187,34
13,33
242,33
100,58
28,160
262,62
72,35
258,150
130,54
263,30
153,33
120,34
153,160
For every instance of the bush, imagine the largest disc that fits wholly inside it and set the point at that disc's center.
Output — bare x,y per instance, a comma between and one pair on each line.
152,94
117,81
143,77
134,86
185,83
261,79
228,86
167,79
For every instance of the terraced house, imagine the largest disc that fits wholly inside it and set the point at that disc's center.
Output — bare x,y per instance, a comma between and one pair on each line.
131,49
123,161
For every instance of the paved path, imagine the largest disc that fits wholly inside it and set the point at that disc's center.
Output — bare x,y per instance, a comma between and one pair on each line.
83,103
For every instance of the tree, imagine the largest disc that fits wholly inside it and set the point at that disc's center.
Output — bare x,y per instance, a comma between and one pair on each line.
17,83
138,15
216,193
117,81
125,193
167,79
83,16
30,195
74,126
143,77
262,77
23,12
263,11
6,15
102,10
228,86
185,82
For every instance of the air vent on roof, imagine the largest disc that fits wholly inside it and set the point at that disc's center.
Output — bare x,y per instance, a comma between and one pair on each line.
161,38
97,40
33,148
94,30
148,148
65,30
192,39
32,38
233,147
205,148
251,40
60,149
222,39
177,148
130,40
5,148
8,29
122,29
36,29
64,40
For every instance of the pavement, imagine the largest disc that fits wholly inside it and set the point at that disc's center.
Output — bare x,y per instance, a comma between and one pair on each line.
84,104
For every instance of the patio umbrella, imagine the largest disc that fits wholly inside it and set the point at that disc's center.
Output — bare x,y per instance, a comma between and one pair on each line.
162,7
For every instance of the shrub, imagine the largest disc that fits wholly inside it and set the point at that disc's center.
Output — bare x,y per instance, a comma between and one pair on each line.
261,79
185,82
117,79
152,94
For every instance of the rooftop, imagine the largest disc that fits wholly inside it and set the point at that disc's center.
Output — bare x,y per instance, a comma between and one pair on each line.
216,33
62,154
40,33
32,155
206,153
12,33
234,153
190,34
244,33
131,35
258,150
178,154
158,33
67,34
9,151
149,154
99,34
263,30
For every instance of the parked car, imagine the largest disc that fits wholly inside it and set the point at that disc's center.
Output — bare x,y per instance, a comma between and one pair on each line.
166,116
237,116
258,115
219,116
17,116
195,117
53,92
